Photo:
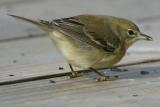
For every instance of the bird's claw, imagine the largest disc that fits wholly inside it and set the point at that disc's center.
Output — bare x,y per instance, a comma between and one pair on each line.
106,78
75,74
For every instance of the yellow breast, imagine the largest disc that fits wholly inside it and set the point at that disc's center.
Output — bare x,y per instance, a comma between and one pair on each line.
110,59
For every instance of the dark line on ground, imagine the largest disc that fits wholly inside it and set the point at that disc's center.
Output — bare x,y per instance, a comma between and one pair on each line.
23,38
67,73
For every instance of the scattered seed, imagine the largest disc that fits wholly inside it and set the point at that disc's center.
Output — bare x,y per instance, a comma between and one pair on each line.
144,72
14,61
61,68
11,75
125,69
52,81
135,95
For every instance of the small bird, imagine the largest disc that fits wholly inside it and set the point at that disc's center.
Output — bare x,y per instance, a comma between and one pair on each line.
91,41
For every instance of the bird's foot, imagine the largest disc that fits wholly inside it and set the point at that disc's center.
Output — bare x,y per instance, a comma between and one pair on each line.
75,74
106,78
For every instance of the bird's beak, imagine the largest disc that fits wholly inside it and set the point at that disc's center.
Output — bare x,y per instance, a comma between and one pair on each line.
144,37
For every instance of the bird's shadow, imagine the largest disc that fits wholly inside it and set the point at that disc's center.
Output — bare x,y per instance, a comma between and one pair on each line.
131,72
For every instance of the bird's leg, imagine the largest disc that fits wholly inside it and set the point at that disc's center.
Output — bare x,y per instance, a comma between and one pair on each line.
103,77
74,74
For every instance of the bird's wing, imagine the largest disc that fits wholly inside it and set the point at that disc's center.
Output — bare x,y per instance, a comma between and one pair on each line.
87,33
85,29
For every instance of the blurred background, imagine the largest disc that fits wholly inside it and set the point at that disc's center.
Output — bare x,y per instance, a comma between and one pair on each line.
144,12
24,44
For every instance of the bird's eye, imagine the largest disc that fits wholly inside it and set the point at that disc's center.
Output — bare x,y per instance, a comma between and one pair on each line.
130,32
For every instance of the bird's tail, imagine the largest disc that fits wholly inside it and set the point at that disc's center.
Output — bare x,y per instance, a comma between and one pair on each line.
44,25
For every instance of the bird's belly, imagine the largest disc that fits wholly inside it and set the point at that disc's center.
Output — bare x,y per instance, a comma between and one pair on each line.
110,59
77,53
107,61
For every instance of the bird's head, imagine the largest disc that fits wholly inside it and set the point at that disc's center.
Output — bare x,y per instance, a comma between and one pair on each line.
130,32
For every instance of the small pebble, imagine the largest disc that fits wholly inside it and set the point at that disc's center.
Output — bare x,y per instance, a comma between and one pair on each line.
61,68
52,81
125,69
144,72
14,61
11,75
135,95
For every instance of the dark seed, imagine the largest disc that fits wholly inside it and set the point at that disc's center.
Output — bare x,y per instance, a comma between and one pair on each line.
61,68
135,95
11,75
52,81
14,61
144,72
125,69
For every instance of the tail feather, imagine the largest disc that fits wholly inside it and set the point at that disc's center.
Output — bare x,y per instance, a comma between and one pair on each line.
44,26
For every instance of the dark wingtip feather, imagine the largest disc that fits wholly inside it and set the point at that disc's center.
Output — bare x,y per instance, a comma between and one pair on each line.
25,19
43,25
14,16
